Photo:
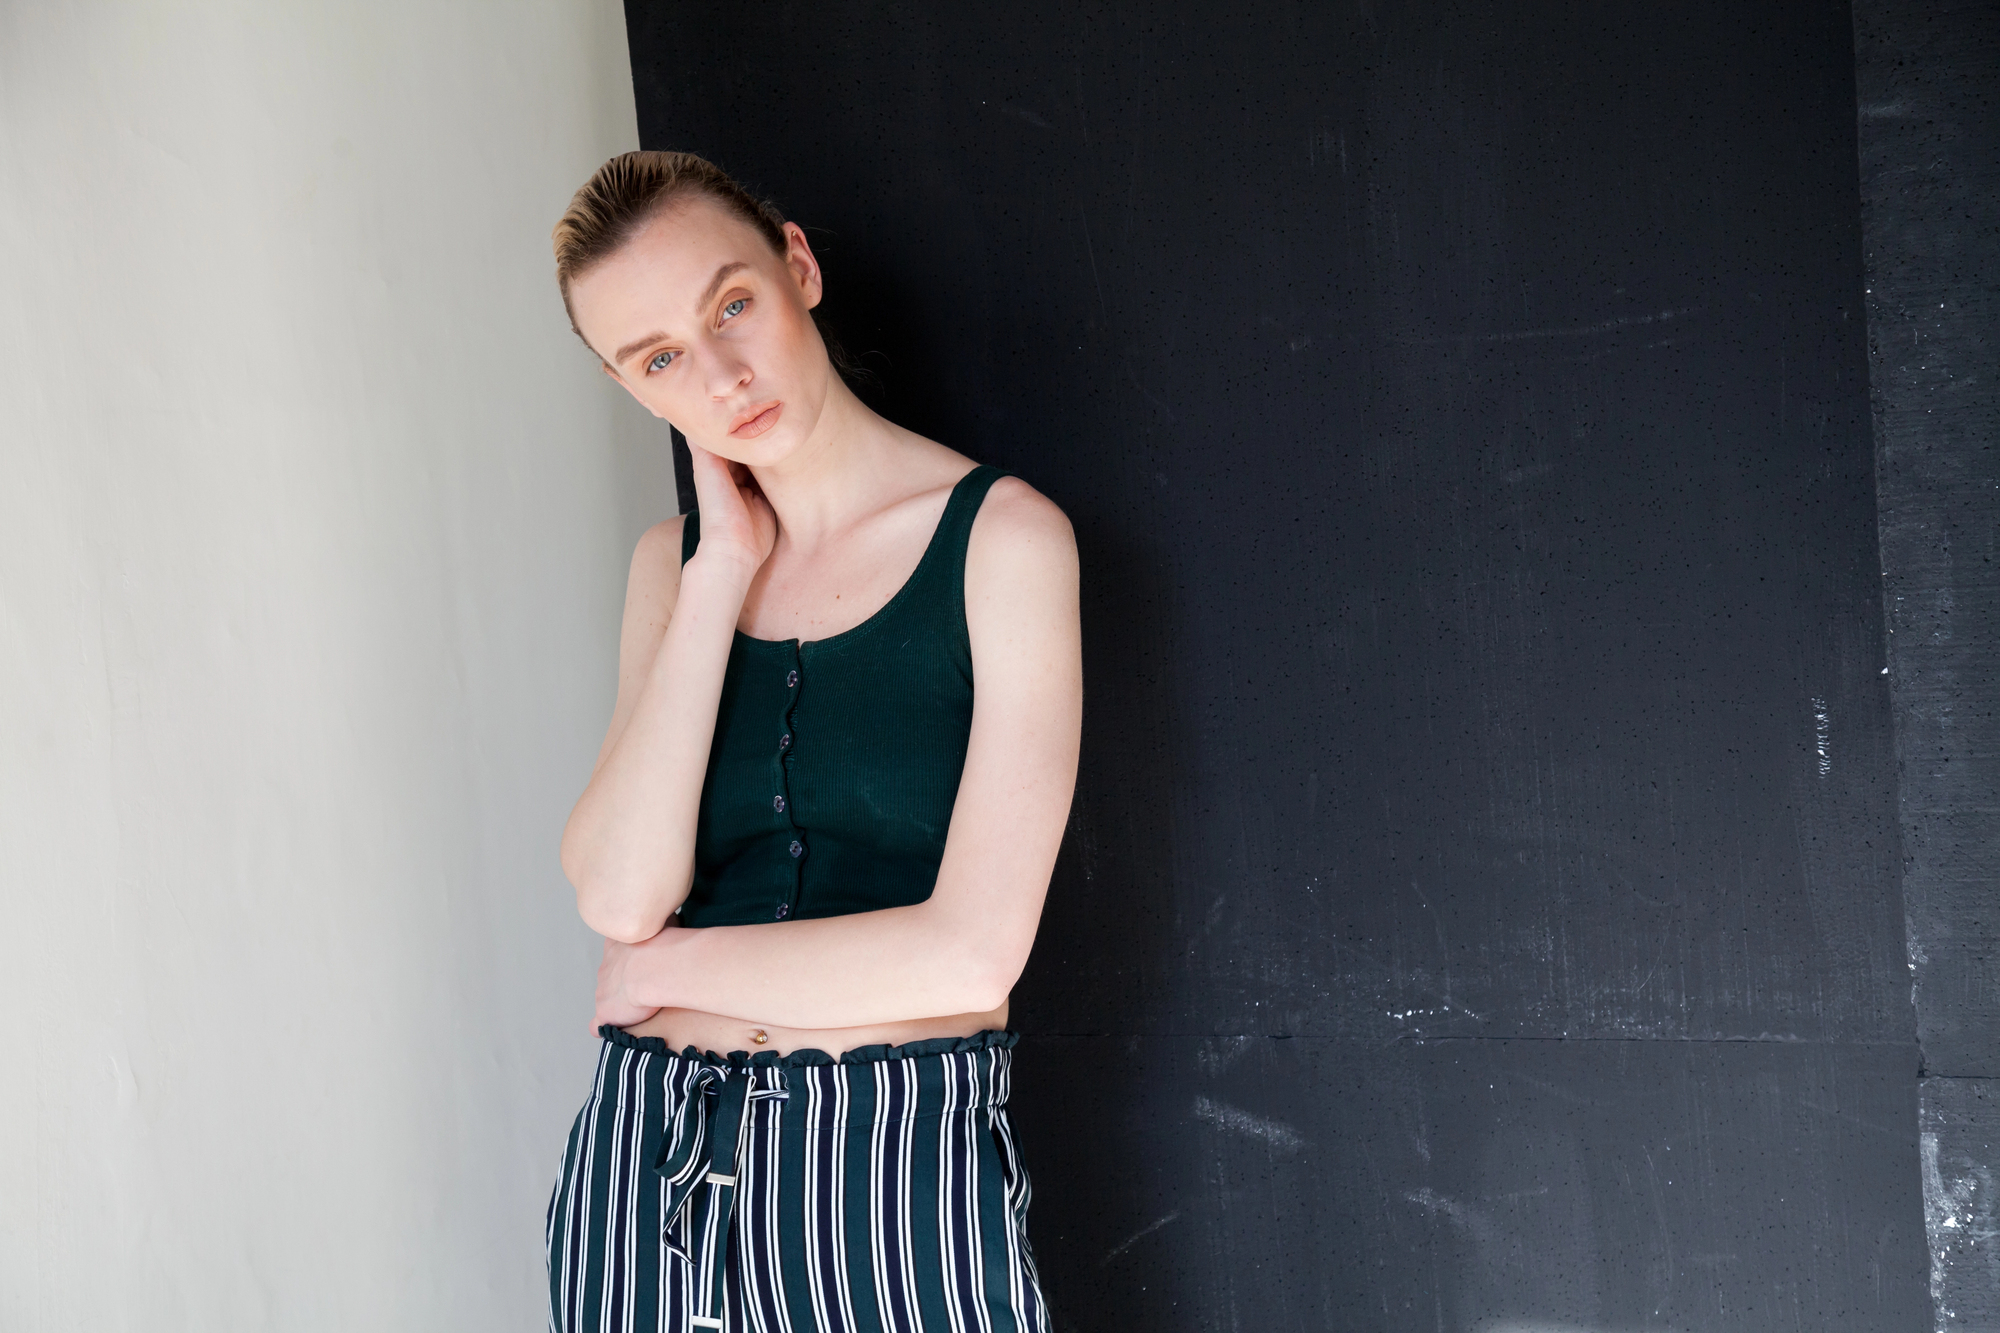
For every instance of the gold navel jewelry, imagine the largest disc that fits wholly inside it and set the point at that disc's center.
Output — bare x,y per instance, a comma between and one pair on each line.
759,1037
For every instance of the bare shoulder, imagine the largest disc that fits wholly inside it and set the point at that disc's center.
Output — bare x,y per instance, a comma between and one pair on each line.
1017,522
655,578
661,542
1021,556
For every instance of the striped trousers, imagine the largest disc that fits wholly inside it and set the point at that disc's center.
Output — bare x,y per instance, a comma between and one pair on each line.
881,1192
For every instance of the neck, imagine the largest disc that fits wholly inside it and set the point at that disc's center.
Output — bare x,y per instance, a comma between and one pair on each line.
847,469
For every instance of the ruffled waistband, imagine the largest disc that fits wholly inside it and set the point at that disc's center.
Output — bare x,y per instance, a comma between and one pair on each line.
986,1039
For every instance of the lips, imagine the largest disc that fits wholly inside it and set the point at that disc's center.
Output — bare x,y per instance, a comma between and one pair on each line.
756,421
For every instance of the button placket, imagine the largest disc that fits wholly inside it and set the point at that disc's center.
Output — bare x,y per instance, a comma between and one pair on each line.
781,801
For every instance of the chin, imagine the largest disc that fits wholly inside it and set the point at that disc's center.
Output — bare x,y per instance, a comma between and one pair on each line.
766,450
769,449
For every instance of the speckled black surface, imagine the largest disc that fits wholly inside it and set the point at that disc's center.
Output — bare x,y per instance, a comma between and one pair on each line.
1488,795
1928,84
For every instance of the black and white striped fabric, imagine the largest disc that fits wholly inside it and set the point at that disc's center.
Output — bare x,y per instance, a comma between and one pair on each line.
878,1193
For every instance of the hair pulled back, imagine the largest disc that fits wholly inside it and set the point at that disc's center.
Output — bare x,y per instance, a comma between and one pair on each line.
633,188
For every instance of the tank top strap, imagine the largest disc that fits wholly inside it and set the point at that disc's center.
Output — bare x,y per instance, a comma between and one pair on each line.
954,529
936,595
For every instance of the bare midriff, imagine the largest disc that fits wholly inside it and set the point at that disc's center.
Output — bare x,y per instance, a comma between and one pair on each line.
681,1028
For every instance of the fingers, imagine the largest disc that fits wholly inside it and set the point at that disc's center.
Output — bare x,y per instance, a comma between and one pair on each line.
721,485
710,474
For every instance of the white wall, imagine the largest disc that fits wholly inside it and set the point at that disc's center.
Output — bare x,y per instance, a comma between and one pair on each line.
313,526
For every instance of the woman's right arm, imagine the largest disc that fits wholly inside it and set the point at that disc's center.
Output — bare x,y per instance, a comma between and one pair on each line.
629,844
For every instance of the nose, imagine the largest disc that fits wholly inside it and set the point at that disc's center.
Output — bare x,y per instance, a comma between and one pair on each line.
727,374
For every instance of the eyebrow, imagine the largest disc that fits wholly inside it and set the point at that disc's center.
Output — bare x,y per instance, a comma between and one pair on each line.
708,294
715,284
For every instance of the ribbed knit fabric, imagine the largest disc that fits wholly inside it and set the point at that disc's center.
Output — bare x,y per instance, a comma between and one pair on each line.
836,761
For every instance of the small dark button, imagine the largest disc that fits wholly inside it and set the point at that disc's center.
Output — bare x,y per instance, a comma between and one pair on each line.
778,804
798,848
784,910
785,741
791,680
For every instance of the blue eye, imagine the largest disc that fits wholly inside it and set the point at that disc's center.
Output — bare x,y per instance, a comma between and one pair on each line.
734,308
660,361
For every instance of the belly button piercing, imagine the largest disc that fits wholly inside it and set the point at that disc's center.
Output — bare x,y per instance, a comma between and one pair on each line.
759,1037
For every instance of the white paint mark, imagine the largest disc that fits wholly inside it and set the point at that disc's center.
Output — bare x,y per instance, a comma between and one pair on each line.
1822,726
1440,1009
1238,1121
1959,1218
1218,1054
1463,1214
1565,331
1136,1237
1535,1326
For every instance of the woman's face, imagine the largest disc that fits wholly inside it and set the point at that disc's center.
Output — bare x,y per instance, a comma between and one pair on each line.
711,330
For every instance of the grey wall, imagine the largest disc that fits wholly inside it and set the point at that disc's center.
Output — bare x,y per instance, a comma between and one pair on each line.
1930,176
313,527
1482,908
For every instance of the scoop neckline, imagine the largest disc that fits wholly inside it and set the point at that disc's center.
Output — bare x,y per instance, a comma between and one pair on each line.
923,562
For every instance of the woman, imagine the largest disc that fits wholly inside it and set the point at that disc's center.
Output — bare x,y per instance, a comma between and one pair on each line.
799,1120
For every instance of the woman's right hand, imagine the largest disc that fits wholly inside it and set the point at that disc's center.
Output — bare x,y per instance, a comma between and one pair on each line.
738,526
614,1006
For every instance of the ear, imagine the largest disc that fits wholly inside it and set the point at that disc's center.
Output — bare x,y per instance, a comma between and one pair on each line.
619,380
803,264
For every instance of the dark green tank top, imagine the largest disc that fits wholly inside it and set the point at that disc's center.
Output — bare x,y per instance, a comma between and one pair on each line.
835,762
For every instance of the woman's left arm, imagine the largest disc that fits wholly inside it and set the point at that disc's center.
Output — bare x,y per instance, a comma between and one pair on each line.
961,950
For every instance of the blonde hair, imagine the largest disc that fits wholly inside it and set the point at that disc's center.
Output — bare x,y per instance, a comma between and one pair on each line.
632,189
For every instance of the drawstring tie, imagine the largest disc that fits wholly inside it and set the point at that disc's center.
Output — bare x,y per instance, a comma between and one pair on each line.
698,1157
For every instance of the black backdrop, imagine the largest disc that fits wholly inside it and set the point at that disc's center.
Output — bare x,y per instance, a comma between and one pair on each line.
1481,903
1928,88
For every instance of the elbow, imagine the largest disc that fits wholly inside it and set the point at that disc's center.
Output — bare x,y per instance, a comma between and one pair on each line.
986,981
985,997
624,926
975,964
628,912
